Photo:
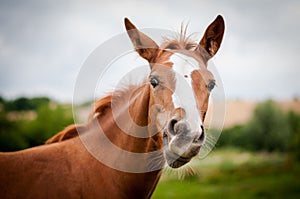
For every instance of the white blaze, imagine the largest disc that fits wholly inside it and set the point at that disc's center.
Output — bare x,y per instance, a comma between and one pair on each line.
183,95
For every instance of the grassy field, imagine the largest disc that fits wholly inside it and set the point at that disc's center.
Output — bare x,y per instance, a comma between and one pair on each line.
233,174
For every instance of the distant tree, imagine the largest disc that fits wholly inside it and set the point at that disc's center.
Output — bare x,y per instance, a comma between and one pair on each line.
49,121
294,122
37,102
269,129
2,100
11,136
23,133
22,103
232,137
25,104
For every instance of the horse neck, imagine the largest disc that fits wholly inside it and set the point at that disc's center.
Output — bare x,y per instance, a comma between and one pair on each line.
124,127
128,117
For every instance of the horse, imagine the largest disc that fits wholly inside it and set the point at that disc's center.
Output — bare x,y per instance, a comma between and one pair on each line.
159,117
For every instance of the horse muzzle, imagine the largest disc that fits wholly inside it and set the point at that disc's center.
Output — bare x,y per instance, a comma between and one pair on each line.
181,142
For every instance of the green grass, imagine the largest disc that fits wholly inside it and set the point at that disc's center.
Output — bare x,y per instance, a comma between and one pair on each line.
234,174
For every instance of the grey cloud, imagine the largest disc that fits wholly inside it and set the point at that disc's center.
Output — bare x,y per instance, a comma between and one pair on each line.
44,43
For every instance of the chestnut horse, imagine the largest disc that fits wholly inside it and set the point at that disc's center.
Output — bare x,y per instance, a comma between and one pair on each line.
161,117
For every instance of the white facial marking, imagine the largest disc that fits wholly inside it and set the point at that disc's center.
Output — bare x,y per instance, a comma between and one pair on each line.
183,95
184,66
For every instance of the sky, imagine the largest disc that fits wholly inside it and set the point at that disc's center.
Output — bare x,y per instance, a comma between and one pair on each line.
43,44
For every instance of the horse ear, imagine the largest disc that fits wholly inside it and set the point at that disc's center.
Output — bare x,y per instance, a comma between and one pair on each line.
144,45
212,38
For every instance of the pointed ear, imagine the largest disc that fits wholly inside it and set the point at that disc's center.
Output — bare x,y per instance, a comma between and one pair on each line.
212,38
143,44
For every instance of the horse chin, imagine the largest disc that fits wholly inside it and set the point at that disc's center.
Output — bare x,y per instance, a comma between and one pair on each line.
175,161
177,164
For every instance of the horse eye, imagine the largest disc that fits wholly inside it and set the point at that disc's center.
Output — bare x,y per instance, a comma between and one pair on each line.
154,82
211,85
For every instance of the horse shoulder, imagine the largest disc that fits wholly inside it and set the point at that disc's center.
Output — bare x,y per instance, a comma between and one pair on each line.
42,171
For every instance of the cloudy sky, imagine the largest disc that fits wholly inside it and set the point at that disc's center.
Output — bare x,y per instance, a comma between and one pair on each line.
43,44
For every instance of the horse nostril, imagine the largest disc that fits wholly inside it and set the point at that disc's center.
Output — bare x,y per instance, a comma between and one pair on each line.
172,126
201,138
202,129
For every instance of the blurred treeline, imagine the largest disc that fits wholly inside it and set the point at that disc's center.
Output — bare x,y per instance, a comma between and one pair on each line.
28,122
270,129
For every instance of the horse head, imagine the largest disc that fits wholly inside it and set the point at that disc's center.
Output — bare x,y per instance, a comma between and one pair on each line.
180,86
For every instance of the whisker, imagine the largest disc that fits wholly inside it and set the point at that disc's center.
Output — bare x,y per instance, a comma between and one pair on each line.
182,172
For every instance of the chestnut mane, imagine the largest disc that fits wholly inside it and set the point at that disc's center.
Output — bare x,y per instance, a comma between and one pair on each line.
181,41
71,131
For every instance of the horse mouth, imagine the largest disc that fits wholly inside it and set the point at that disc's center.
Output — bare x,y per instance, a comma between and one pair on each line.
175,161
179,162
